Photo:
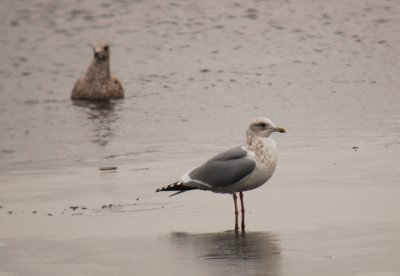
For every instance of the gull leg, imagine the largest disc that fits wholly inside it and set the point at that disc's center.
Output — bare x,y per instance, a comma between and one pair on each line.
242,205
236,212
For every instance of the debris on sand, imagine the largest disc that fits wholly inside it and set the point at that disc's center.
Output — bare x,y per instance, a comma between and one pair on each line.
108,168
73,208
106,206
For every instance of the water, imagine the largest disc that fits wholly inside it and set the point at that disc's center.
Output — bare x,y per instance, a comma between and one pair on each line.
195,74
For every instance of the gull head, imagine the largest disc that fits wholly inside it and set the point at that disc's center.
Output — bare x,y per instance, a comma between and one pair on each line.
263,127
101,51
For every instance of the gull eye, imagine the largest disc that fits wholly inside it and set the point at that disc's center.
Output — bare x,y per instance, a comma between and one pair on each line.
106,48
263,125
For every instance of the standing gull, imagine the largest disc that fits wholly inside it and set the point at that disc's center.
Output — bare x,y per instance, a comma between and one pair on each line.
238,169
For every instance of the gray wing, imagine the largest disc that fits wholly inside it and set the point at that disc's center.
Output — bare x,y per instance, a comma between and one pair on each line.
225,169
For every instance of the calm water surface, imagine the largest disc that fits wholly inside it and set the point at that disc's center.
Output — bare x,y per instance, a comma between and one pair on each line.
195,73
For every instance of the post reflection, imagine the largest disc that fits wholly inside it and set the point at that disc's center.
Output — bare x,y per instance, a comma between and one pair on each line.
229,253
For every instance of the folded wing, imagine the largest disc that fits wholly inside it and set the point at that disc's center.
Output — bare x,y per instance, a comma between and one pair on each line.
225,169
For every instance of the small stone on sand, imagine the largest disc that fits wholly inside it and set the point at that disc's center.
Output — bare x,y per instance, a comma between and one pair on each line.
108,168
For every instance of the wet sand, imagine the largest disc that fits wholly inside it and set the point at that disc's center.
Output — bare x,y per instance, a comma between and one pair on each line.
77,180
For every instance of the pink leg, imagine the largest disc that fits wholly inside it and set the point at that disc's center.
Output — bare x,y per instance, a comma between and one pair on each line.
242,205
236,212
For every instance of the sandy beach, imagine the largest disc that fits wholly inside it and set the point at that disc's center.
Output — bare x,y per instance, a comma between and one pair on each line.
78,179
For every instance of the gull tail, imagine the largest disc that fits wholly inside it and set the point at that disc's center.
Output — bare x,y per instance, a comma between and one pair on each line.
177,186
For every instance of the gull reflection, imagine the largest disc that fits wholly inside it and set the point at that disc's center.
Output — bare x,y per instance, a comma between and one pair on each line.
227,253
101,115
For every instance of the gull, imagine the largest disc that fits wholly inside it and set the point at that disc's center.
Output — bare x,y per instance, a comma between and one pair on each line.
236,170
98,83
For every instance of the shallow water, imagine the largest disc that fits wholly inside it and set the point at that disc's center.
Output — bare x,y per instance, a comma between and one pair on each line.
195,73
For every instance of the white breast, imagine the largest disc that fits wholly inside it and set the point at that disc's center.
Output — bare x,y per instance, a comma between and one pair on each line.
265,167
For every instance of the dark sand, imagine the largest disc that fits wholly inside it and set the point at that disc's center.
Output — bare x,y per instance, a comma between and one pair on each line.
77,180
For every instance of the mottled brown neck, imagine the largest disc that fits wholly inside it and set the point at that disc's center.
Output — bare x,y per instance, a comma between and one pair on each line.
263,147
99,70
251,138
254,142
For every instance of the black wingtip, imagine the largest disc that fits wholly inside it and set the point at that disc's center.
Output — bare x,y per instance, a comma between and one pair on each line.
177,186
